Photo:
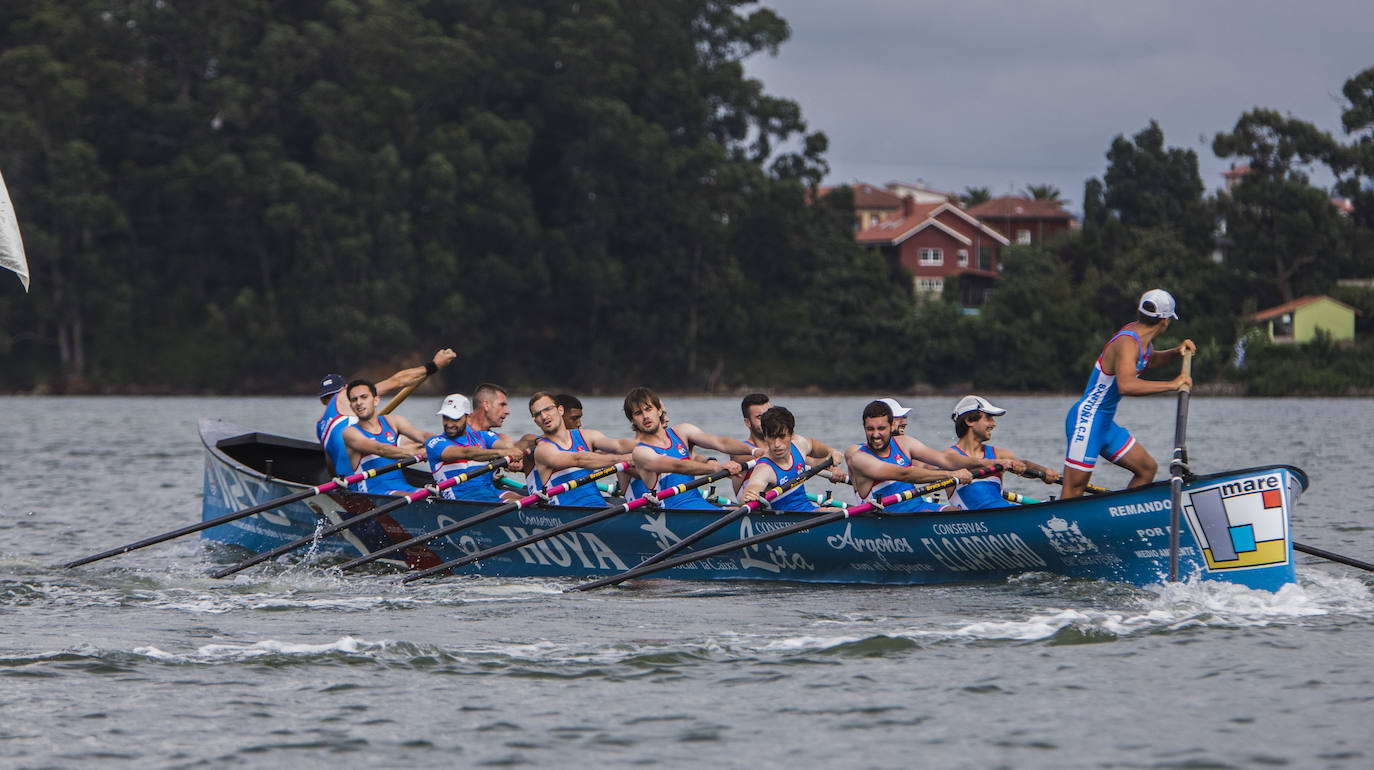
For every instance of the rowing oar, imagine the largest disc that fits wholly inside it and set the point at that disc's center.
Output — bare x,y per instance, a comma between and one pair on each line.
401,396
476,519
696,537
801,526
404,500
1339,559
259,508
615,510
1178,466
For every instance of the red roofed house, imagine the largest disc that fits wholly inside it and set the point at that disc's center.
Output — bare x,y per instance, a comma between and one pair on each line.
1299,320
871,204
936,241
1024,220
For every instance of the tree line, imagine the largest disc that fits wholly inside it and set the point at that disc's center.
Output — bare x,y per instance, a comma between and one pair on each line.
240,196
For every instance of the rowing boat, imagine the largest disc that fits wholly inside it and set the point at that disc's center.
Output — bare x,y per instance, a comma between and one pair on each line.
1236,529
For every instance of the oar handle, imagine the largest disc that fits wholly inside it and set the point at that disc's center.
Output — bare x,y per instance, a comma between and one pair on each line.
1188,367
401,396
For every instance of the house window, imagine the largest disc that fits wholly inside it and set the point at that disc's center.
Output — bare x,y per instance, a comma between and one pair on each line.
932,257
984,258
1023,237
963,257
930,284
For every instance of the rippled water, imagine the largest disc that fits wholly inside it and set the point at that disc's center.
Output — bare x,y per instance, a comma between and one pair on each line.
143,660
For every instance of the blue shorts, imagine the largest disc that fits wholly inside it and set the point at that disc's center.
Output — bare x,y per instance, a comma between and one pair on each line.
1101,436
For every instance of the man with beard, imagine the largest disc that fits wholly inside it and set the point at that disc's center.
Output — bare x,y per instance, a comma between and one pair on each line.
461,447
887,465
564,454
752,408
899,415
372,440
785,460
974,420
663,455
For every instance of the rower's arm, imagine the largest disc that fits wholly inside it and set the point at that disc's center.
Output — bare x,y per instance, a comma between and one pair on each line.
550,456
1123,353
649,461
760,479
1026,467
730,446
408,377
862,463
407,428
452,452
603,443
819,450
360,445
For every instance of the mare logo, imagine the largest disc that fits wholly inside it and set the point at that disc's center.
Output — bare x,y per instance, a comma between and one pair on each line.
1240,523
1067,538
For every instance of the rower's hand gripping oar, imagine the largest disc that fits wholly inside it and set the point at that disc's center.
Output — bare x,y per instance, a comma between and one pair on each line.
403,500
607,513
1178,468
476,519
801,526
723,521
259,508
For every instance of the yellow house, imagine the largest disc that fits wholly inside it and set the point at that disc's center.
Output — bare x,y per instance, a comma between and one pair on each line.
1298,321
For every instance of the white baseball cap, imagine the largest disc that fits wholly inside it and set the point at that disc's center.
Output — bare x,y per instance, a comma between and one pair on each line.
1157,303
975,404
455,406
897,409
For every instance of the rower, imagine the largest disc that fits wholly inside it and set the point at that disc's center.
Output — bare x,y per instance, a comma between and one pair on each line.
460,448
752,407
1090,425
572,410
373,439
974,420
785,460
663,455
899,414
562,454
339,415
886,464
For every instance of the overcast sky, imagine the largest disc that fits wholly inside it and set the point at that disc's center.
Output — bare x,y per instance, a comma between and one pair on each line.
965,93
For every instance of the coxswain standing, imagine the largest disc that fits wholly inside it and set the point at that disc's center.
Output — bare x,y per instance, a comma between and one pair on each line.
974,420
1090,425
460,448
663,455
887,465
562,454
373,439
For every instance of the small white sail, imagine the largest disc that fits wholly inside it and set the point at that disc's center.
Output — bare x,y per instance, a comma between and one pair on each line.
11,245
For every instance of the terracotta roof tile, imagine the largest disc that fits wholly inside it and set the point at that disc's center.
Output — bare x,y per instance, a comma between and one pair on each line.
1010,206
1288,307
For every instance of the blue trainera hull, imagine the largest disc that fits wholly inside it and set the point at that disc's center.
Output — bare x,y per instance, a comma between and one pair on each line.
1236,529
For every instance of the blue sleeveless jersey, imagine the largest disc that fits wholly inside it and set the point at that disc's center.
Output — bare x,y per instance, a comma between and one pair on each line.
884,488
329,430
982,493
587,496
482,488
387,482
794,499
689,500
1090,425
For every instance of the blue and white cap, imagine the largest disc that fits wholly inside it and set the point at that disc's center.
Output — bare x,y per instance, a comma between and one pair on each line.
1157,303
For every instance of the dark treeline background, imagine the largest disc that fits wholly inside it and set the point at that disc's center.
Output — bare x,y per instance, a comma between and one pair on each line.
239,196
